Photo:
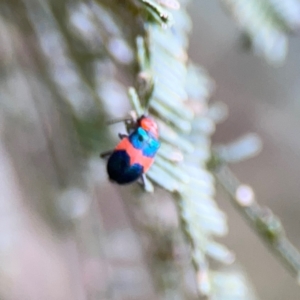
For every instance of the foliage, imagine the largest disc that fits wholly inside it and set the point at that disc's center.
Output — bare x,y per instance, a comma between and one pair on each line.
266,24
74,76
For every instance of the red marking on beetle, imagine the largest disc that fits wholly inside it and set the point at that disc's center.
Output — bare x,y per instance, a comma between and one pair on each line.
149,125
136,155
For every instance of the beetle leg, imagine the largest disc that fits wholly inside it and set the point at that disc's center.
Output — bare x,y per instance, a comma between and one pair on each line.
147,185
106,153
122,136
143,178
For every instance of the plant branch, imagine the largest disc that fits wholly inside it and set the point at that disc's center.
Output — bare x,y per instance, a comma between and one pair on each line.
267,225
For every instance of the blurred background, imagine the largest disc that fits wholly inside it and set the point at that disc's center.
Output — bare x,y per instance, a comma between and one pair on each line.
262,99
65,231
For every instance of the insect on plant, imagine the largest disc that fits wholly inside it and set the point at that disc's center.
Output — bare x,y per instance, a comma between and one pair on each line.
135,153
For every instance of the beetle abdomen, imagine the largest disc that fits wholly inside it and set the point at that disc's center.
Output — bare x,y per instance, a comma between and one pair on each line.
120,170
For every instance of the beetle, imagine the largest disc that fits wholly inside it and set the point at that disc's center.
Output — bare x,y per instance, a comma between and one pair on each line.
135,153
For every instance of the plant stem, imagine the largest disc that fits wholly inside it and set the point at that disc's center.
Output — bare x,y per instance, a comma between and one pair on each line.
261,219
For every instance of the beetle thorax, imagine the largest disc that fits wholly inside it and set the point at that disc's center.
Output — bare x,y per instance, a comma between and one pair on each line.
149,125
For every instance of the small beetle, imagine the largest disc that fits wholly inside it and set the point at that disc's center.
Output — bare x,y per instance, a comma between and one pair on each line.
135,153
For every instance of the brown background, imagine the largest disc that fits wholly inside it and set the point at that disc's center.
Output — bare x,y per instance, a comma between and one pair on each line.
265,100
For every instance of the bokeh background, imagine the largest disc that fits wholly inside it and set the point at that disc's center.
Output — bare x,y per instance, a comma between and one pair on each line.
265,100
65,231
